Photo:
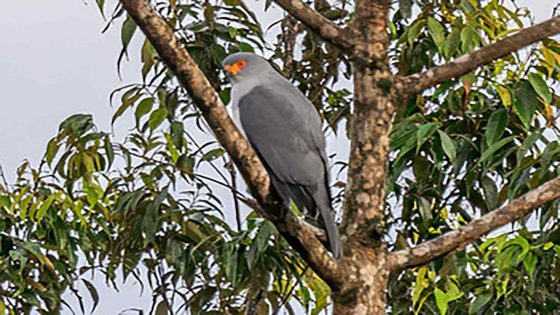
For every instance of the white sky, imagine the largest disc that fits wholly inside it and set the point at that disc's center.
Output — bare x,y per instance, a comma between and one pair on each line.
54,62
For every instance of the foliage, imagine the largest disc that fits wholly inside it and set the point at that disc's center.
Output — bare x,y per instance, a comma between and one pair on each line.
466,148
153,205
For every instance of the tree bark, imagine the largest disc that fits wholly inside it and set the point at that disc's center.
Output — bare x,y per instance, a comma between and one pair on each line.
469,62
365,265
515,210
366,277
329,31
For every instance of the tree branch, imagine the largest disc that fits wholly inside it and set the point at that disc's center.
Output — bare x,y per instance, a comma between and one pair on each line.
329,31
465,64
468,233
300,236
253,204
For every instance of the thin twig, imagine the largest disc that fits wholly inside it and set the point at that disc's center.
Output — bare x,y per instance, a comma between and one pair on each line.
232,173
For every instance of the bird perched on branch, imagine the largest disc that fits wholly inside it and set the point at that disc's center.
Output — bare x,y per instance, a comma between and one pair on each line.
285,130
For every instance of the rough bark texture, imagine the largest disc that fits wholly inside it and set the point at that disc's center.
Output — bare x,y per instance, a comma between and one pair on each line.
511,212
365,266
175,56
480,57
366,276
372,121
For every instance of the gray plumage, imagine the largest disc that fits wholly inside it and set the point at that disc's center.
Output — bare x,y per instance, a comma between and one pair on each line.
286,132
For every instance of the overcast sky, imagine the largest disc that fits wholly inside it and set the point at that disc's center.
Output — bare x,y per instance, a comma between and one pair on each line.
54,62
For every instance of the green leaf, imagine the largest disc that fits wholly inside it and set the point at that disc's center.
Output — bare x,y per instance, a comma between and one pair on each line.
44,207
93,293
420,284
403,137
413,32
150,222
496,126
452,42
108,146
453,293
424,133
490,192
494,148
530,263
172,148
23,205
522,242
556,248
127,31
436,31
5,201
77,124
469,39
173,251
157,118
443,298
245,47
93,193
320,290
148,56
505,95
19,255
213,154
100,5
231,264
143,108
177,130
162,308
525,103
52,149
441,301
540,86
480,302
127,102
448,145
35,250
425,209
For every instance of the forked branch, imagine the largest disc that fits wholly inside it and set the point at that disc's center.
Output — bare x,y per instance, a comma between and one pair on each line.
466,234
300,236
329,31
469,62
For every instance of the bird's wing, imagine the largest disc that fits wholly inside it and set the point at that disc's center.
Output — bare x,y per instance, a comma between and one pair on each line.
285,130
280,125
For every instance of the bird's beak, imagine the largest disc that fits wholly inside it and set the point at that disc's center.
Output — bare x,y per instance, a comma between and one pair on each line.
233,69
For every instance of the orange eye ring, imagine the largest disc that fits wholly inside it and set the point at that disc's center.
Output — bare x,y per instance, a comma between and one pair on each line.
236,67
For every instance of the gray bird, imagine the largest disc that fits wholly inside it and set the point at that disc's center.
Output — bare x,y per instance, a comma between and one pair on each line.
285,130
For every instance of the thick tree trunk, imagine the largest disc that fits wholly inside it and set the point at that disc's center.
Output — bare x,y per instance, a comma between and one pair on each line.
366,278
365,267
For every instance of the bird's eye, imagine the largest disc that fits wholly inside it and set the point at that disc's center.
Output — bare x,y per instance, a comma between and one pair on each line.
241,63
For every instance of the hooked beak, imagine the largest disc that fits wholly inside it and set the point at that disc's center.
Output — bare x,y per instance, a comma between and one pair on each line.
233,69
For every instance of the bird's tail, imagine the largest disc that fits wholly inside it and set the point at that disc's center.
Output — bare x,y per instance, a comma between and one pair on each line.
316,200
323,203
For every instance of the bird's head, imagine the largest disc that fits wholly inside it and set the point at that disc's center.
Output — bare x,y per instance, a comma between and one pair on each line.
242,65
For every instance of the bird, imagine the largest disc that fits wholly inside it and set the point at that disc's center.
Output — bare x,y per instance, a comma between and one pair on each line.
285,130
